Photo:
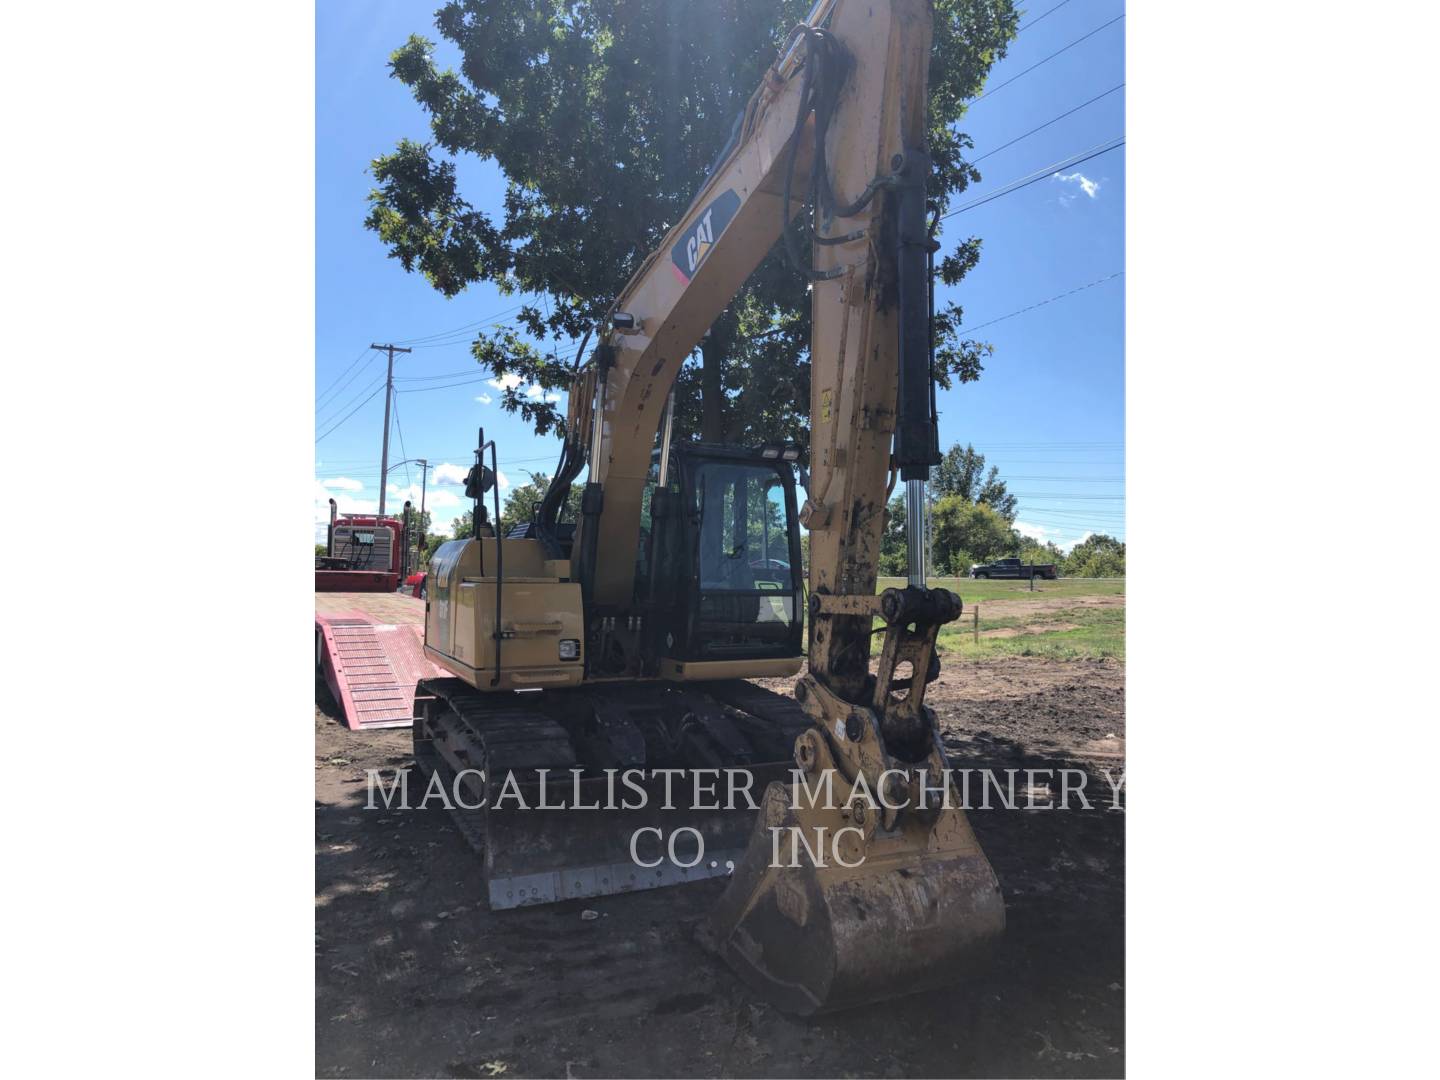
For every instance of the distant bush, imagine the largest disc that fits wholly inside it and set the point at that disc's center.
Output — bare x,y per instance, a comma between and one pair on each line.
1097,556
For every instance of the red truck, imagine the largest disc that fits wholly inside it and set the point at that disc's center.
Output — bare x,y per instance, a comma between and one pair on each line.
363,553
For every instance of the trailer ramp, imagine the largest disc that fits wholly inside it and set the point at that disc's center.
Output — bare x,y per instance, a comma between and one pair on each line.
370,650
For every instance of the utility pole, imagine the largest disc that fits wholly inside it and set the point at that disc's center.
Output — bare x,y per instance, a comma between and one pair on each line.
391,350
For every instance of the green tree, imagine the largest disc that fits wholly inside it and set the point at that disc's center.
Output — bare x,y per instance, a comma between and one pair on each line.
1032,551
893,553
604,117
1097,555
962,472
463,527
523,500
965,533
518,508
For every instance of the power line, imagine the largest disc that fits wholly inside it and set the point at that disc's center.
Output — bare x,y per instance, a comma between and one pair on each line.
1009,462
471,382
446,386
1047,59
370,474
1053,445
1063,496
1037,176
432,378
1042,15
1065,518
341,463
1049,300
326,392
1042,127
379,380
403,454
319,406
351,413
461,329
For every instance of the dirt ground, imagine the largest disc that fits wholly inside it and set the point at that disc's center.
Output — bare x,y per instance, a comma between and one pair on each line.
1005,609
416,977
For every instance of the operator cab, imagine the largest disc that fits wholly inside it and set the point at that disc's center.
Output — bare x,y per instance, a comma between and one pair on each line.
719,572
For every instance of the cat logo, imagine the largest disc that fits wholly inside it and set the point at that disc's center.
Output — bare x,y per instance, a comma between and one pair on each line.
690,250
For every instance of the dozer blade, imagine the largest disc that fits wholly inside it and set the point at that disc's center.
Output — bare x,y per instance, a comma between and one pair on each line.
541,857
918,912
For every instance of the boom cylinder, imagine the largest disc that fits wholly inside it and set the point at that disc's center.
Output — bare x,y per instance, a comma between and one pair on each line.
667,433
917,439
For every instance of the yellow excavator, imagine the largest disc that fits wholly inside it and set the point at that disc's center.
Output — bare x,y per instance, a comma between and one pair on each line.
601,666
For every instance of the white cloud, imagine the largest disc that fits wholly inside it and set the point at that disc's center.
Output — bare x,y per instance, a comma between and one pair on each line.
344,483
1091,188
344,504
484,399
442,526
508,381
449,474
1044,535
434,497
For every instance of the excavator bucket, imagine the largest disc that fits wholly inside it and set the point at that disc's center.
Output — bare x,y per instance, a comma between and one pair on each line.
917,908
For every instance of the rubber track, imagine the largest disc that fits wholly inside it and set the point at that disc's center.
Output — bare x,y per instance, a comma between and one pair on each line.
498,735
508,735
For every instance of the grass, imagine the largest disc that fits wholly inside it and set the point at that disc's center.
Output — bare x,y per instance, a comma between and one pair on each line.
1093,632
971,590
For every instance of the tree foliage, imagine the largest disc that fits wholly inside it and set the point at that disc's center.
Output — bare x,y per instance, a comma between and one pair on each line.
962,472
1097,555
604,116
523,500
966,533
971,517
518,508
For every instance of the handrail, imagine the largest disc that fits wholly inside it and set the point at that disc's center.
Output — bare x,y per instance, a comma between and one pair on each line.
499,550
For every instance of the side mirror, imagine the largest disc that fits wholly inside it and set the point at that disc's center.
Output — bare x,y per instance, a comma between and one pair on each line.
478,481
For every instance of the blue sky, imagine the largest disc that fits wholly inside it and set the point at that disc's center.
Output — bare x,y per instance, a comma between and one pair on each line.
1049,409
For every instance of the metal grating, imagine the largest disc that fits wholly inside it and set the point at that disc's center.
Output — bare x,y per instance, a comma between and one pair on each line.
372,668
